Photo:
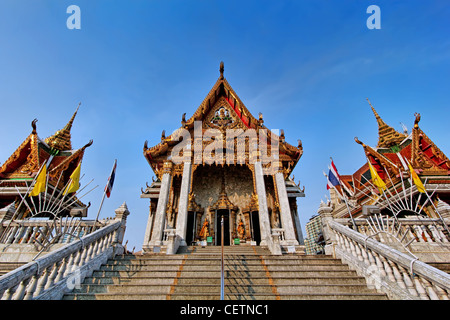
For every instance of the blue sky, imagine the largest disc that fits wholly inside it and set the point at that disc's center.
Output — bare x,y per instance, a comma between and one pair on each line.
137,66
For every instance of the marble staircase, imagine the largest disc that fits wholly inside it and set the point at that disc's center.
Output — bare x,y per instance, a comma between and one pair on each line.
251,273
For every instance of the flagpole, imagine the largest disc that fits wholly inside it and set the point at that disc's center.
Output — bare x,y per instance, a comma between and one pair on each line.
343,196
100,208
104,193
350,213
435,209
16,211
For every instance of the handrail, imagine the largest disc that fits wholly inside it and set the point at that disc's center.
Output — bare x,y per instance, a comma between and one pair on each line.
417,230
36,276
222,277
36,231
404,221
427,282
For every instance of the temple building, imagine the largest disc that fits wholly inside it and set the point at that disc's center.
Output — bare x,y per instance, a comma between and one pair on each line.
18,173
223,162
391,158
400,195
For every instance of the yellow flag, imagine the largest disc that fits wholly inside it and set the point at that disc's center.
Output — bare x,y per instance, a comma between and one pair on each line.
416,180
376,179
39,185
74,184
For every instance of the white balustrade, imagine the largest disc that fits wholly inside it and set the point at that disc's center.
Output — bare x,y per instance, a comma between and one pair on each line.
399,275
36,279
29,231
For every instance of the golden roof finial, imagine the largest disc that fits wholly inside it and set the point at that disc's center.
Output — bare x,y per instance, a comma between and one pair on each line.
33,125
416,120
387,136
222,68
61,140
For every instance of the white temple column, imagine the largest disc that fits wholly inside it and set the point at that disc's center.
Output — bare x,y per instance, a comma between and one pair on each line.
148,231
183,203
160,215
264,221
298,226
285,211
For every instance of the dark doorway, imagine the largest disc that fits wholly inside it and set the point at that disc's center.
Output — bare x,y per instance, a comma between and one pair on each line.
190,228
256,231
226,227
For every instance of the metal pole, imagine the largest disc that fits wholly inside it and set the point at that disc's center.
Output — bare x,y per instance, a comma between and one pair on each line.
104,193
222,280
350,213
100,208
440,217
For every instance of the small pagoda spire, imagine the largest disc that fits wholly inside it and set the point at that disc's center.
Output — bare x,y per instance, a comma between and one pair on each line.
61,140
380,121
69,124
387,136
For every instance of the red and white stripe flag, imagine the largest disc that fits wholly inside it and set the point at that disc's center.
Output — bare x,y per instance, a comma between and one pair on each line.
110,183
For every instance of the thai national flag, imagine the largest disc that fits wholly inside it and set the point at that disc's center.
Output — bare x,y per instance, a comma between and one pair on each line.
110,183
333,176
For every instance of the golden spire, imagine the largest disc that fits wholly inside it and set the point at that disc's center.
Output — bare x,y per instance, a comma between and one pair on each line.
61,140
387,136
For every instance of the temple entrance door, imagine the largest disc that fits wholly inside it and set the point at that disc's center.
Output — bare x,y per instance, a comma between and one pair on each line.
226,227
256,232
190,228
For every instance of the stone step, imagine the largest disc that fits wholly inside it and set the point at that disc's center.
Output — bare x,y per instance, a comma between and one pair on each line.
228,296
336,296
218,256
228,274
323,288
228,288
179,288
124,288
302,267
443,266
248,275
227,261
130,280
6,267
342,280
237,267
170,280
113,296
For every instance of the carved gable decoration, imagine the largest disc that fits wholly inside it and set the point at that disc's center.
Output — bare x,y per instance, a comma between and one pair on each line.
426,155
222,116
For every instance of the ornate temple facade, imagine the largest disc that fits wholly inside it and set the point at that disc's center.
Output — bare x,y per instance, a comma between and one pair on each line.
222,162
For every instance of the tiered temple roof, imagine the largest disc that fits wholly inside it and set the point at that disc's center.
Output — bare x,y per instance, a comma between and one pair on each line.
221,109
27,159
393,147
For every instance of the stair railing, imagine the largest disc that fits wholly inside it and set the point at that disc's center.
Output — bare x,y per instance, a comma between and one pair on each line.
58,272
399,275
